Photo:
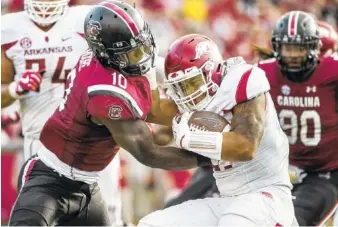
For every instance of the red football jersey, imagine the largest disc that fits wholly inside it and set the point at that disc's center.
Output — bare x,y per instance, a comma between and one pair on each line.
308,114
99,92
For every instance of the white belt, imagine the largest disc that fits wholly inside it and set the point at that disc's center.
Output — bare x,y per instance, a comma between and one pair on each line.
52,161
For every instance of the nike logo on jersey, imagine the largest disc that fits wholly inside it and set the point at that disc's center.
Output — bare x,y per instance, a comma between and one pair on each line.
65,38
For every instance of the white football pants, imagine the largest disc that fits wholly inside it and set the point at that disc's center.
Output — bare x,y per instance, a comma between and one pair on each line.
273,207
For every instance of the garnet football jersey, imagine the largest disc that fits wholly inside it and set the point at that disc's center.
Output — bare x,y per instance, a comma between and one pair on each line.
54,52
308,113
92,91
269,167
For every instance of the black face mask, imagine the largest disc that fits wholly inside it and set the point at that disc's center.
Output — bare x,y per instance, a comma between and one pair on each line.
302,73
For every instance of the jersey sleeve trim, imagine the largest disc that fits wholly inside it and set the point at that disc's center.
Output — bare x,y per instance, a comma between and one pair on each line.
109,90
7,46
241,93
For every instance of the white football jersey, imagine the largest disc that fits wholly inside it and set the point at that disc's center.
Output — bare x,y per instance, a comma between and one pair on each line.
269,167
54,53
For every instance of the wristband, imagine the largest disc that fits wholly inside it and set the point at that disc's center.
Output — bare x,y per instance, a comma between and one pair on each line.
208,144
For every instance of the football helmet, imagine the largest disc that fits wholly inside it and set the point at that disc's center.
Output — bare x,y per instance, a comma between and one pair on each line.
329,38
192,68
296,33
45,12
120,38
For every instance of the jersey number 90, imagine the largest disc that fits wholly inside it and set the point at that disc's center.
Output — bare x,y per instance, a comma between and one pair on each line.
298,126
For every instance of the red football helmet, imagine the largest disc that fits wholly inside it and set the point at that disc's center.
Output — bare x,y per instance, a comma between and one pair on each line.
329,38
193,71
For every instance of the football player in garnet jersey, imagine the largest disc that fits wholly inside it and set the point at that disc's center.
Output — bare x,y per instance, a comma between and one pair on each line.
304,89
107,99
40,46
250,157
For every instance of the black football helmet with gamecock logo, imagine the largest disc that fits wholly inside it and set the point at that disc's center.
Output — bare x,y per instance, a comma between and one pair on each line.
120,38
300,30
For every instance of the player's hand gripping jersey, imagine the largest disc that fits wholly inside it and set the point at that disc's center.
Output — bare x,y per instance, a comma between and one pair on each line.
92,91
53,54
308,113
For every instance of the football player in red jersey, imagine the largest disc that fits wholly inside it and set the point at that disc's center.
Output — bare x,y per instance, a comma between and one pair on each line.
304,89
105,104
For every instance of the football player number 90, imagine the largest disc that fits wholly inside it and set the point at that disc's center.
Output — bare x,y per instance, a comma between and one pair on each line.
39,65
289,121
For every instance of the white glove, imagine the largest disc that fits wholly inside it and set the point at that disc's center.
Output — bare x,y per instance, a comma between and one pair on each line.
29,82
181,129
296,174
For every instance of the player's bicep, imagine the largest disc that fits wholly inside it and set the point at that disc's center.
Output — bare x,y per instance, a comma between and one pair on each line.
7,69
249,119
132,135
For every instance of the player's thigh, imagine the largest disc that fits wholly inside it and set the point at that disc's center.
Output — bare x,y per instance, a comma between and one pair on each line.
110,190
41,199
313,199
97,209
36,206
190,213
94,210
268,208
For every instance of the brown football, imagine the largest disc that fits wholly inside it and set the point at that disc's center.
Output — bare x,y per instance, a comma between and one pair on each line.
207,121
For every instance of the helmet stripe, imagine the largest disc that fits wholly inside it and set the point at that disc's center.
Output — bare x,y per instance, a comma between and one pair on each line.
125,17
293,20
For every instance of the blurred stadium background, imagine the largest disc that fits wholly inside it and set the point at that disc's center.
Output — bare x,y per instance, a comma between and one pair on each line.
236,25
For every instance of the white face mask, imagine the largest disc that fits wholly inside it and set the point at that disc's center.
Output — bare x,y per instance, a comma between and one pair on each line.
181,88
46,13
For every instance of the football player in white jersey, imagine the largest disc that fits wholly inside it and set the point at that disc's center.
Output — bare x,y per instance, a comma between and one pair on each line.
40,45
250,157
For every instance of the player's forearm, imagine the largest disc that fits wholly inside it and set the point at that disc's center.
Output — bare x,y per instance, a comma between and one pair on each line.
229,146
164,112
247,129
6,98
163,135
236,147
170,158
155,102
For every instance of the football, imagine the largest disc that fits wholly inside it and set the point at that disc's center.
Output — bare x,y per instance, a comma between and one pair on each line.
207,121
